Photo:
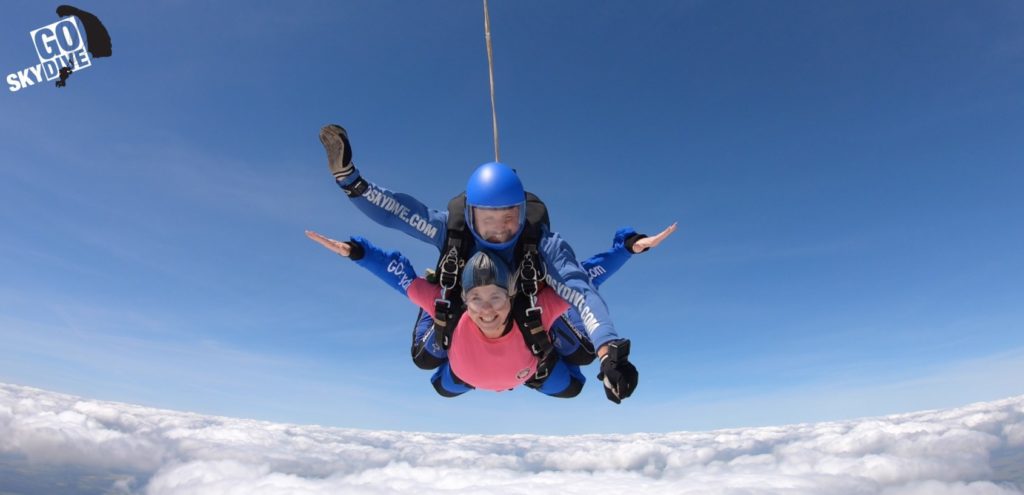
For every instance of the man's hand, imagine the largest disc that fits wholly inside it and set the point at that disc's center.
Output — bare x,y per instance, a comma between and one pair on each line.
651,242
339,160
620,377
339,152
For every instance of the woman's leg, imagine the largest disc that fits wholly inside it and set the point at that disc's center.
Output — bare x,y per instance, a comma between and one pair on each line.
426,352
565,381
447,384
570,341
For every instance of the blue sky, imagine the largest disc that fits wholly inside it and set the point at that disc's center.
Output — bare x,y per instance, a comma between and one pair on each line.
845,176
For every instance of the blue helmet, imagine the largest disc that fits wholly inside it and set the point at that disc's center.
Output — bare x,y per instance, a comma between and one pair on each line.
494,185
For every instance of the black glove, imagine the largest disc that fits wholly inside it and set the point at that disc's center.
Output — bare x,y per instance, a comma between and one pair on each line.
618,374
339,152
339,160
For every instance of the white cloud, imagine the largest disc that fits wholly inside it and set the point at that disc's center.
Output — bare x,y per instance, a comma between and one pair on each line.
966,451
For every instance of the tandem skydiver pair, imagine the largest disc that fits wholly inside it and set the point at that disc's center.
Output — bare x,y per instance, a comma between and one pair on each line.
508,304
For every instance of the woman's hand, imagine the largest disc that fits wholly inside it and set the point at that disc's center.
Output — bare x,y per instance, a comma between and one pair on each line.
342,248
651,242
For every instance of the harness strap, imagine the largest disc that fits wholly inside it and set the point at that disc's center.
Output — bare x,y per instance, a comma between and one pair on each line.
442,315
536,338
529,315
449,307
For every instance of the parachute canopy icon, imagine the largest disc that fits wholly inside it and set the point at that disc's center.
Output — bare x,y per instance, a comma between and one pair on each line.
96,34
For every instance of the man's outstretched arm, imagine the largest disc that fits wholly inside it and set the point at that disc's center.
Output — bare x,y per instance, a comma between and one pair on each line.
390,209
626,243
618,375
572,283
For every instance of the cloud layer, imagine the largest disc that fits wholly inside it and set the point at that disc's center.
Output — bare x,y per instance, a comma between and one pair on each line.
105,447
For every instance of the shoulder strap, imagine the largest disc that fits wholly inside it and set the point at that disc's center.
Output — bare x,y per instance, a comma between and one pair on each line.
536,211
529,239
458,244
457,235
529,280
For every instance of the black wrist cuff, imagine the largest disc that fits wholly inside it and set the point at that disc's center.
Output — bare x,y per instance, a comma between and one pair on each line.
357,251
356,188
632,240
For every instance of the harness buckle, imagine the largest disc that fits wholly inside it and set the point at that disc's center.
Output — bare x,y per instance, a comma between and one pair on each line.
449,270
529,278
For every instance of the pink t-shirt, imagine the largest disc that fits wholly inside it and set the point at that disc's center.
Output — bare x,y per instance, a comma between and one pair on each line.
490,364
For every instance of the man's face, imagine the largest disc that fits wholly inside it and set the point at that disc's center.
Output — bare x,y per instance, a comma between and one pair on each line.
497,225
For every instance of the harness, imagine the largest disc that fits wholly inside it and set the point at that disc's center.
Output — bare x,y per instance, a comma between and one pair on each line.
528,280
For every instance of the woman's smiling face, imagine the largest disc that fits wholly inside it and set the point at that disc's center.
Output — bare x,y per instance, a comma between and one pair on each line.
488,306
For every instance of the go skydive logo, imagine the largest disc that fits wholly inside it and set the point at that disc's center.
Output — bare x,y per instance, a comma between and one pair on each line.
62,49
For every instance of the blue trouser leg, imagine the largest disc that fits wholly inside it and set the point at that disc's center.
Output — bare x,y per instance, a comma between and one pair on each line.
426,352
569,340
565,381
446,383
